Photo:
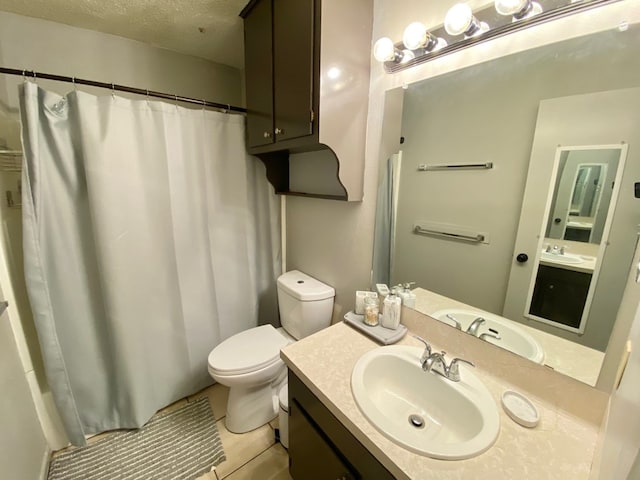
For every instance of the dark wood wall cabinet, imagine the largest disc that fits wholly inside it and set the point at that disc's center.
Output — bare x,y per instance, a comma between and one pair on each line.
307,88
320,446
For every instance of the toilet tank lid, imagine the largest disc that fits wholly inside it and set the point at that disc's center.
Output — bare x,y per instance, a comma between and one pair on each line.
303,287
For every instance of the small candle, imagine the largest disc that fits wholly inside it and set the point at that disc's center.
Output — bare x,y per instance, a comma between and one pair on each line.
371,310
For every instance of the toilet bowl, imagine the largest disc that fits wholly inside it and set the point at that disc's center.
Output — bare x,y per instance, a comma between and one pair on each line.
249,362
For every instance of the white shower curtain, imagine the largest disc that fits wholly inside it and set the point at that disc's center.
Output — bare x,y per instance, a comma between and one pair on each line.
149,236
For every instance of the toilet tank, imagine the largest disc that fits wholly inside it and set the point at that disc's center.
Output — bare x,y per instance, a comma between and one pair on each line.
305,304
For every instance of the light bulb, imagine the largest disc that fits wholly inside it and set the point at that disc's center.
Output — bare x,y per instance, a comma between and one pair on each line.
458,19
510,7
415,36
519,9
407,55
384,50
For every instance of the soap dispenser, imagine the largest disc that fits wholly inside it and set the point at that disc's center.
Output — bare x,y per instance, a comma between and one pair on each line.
407,296
391,311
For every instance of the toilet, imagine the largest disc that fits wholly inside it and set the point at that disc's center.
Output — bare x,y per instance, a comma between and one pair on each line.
249,362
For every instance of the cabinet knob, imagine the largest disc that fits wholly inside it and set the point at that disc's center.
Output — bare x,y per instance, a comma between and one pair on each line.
522,257
279,131
266,135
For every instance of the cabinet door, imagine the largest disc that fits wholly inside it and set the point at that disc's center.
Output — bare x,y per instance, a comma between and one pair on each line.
311,455
293,32
560,295
258,44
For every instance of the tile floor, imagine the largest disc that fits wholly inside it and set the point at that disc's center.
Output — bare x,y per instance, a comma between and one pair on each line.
250,456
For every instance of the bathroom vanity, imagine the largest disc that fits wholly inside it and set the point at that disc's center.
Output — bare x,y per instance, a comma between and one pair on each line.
329,434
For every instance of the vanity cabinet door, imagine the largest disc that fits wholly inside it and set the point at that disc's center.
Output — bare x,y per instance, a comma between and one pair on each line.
311,454
560,295
320,446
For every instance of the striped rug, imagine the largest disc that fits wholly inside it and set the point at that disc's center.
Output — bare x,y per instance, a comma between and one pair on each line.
179,445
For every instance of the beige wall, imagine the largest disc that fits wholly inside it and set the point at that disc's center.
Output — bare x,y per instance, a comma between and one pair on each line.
33,44
23,448
29,43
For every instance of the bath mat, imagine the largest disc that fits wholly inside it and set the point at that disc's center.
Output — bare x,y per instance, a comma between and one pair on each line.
179,445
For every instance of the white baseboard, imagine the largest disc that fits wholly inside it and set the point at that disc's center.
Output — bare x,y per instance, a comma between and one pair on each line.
44,466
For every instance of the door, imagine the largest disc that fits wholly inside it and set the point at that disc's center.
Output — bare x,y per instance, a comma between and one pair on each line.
583,121
258,46
293,35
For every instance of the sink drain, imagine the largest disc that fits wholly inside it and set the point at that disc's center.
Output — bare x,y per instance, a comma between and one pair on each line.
416,421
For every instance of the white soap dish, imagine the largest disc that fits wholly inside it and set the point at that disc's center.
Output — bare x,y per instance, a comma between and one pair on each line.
520,409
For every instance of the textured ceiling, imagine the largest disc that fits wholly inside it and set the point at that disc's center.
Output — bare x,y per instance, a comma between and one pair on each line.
209,29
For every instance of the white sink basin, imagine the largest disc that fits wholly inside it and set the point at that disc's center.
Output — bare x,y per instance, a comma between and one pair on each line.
512,337
564,258
460,418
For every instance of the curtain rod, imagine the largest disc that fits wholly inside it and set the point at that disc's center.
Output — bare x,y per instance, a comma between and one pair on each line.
120,88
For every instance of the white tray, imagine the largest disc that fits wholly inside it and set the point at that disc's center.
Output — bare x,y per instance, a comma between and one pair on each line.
382,335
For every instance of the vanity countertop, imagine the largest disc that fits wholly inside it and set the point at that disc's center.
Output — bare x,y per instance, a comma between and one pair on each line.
561,446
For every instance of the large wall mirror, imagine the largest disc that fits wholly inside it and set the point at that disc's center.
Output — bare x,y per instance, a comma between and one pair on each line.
510,170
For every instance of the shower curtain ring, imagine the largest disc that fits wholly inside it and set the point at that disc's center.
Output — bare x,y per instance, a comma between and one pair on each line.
75,86
24,75
113,90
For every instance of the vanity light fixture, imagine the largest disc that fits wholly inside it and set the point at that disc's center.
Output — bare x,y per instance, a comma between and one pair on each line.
518,9
464,28
460,20
416,36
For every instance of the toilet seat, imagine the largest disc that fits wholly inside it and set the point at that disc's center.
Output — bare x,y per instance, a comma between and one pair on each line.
247,351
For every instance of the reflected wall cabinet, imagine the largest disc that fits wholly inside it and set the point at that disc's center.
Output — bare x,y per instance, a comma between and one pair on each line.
305,90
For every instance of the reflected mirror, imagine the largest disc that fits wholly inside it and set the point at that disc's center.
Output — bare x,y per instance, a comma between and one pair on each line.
581,200
475,171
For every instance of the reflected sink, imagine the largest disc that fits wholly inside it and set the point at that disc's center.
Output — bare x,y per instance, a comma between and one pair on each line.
564,258
459,419
512,337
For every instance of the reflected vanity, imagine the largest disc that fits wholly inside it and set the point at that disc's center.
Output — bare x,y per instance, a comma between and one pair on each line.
554,211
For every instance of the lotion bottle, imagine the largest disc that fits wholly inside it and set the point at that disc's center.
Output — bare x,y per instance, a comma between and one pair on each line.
407,296
392,308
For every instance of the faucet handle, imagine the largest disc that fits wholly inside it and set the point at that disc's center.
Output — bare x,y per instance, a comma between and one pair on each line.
427,348
453,372
485,335
455,321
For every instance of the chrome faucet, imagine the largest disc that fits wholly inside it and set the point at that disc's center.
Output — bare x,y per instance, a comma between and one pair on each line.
475,325
437,363
427,349
485,335
455,321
